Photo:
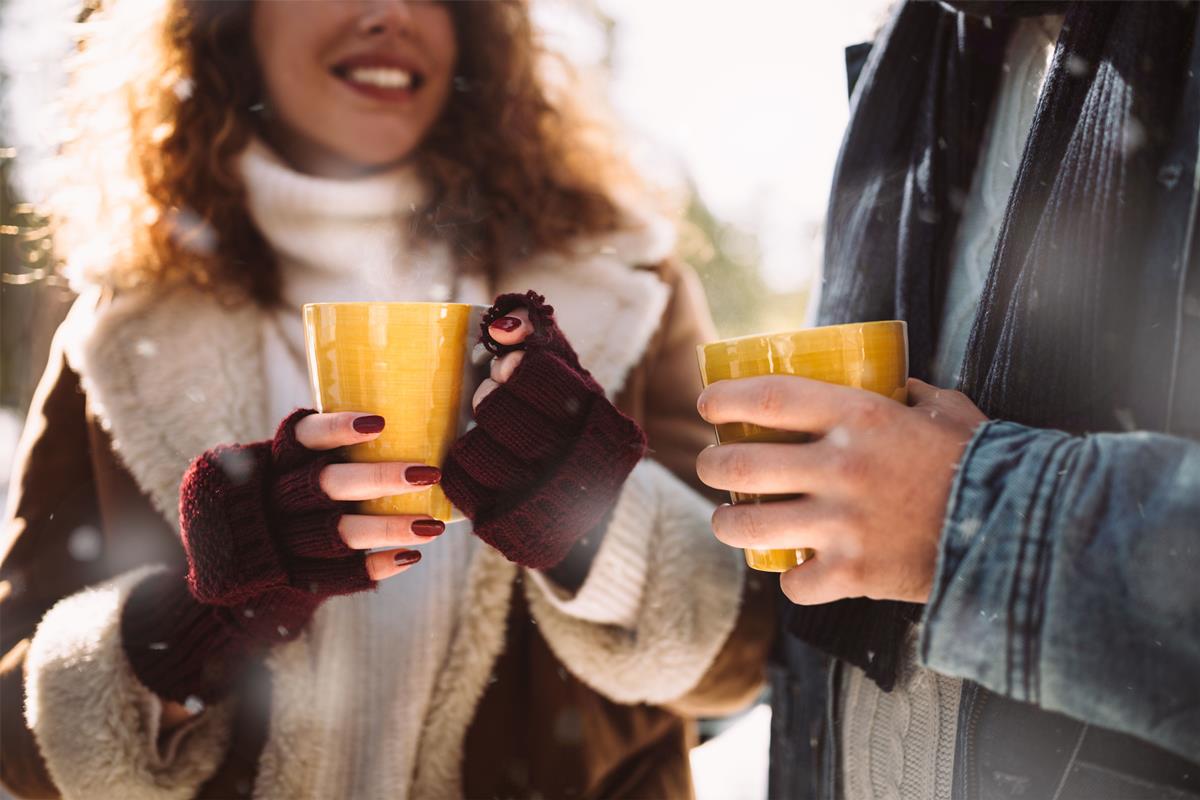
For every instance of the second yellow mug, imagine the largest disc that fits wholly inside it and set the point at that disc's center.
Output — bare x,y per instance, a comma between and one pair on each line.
865,355
411,364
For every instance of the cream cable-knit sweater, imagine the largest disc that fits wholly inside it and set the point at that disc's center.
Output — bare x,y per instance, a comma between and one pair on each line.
900,745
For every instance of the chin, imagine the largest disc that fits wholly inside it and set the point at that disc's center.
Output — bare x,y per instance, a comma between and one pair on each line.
380,157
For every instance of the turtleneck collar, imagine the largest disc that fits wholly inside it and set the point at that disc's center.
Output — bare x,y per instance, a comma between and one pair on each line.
343,240
277,189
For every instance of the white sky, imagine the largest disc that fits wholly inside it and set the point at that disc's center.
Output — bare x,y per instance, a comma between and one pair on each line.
750,95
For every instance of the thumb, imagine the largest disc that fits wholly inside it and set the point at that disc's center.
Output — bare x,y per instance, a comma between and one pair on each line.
944,403
817,581
921,393
511,329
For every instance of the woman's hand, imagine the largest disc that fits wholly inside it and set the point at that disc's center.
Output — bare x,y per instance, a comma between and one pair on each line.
268,530
875,481
549,453
350,482
268,537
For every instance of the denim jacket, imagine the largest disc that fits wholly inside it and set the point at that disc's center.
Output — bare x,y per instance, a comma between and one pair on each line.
1069,578
1068,596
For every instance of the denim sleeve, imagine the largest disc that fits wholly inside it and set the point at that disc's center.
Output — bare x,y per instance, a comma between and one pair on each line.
1069,577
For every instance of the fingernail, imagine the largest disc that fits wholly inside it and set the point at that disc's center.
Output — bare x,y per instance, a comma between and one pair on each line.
422,476
370,423
405,557
506,324
428,527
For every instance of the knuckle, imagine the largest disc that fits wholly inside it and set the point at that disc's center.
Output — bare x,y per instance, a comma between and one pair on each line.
395,529
380,475
855,469
769,400
842,464
739,466
869,412
333,424
751,526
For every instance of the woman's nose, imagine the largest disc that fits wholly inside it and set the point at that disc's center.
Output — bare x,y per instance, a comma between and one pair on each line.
381,17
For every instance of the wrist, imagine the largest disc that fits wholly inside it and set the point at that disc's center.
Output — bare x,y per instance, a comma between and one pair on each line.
178,647
573,570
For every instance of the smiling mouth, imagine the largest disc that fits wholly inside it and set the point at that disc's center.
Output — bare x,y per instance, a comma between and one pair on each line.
380,81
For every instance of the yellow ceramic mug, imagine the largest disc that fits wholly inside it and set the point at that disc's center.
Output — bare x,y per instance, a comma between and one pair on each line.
411,364
865,355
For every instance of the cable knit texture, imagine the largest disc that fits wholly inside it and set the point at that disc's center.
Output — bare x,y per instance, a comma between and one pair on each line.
549,453
899,745
263,553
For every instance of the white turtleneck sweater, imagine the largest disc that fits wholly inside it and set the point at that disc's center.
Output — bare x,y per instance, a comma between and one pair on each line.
345,241
900,745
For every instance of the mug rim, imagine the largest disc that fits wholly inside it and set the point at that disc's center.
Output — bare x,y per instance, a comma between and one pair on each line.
432,303
805,331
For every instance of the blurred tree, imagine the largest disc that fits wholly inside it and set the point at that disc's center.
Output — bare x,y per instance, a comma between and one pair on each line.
33,299
727,260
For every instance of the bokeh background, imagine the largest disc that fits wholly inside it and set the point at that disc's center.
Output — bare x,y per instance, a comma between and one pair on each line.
735,109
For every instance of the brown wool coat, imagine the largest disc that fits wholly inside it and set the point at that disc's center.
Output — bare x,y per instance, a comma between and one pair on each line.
538,730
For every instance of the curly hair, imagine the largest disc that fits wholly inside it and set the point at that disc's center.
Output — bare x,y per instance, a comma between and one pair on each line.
162,99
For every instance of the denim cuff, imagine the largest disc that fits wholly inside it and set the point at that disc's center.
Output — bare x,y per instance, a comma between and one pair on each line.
984,616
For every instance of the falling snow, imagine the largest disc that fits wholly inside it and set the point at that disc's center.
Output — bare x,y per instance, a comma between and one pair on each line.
237,465
1169,175
1135,135
969,527
838,437
85,543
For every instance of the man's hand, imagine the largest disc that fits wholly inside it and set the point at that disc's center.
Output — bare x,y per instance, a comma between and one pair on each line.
875,480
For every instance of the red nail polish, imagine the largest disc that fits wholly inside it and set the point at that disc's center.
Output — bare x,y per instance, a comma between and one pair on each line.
422,476
370,423
405,557
506,324
428,527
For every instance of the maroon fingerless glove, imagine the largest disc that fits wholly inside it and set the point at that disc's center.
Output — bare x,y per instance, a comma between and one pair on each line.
549,452
263,553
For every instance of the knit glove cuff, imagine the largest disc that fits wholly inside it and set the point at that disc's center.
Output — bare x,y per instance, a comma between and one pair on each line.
549,452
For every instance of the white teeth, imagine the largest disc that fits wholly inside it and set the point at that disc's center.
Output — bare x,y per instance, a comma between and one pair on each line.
383,77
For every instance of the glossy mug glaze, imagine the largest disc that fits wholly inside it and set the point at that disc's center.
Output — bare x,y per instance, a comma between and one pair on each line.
865,355
411,364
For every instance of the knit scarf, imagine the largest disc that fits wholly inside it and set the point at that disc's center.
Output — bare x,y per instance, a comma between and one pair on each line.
1089,246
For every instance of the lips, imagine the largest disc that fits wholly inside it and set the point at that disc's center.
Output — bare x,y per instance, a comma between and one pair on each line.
380,77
